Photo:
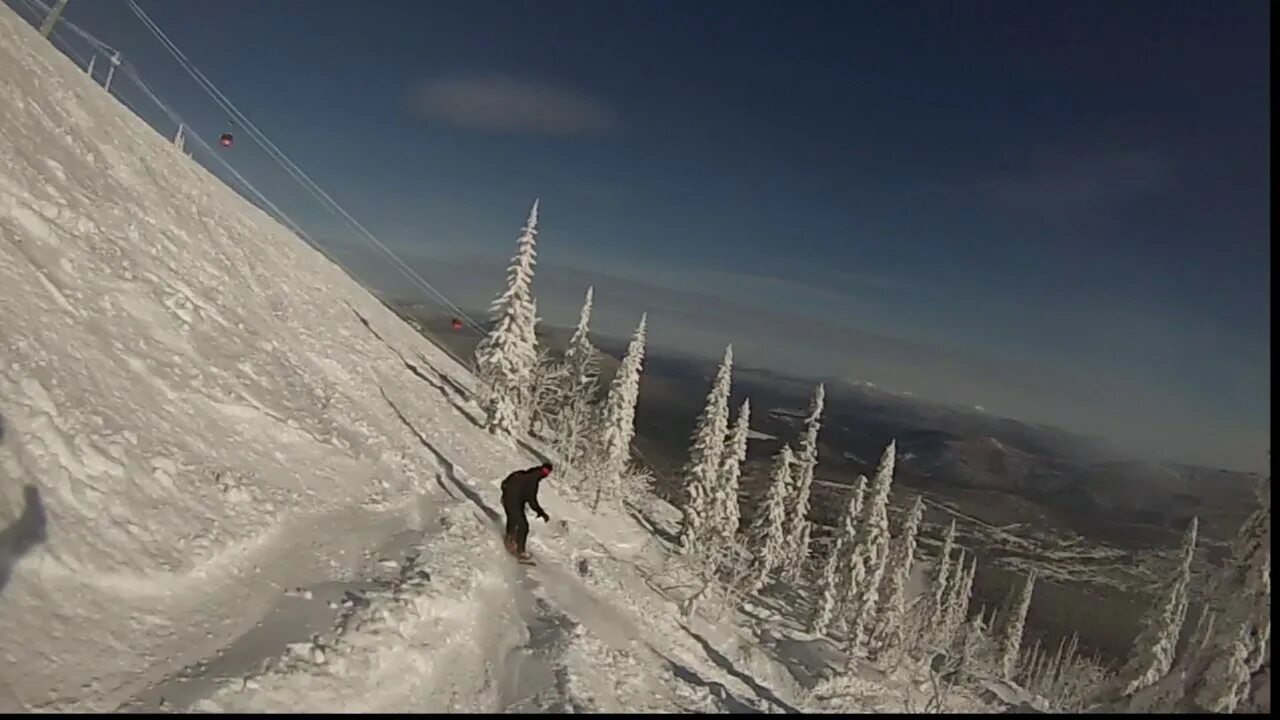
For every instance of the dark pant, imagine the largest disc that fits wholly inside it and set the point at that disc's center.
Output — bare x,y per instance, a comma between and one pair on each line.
517,523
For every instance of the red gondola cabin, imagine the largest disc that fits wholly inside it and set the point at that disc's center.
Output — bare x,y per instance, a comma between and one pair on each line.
457,324
226,140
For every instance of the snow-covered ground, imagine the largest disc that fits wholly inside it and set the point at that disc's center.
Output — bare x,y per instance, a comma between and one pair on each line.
230,479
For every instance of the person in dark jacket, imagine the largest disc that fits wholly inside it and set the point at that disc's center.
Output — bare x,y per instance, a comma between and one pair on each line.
520,488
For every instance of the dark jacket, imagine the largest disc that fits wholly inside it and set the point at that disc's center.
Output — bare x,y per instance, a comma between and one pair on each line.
520,488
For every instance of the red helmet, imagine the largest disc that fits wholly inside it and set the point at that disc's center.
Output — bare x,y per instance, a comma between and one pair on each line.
545,469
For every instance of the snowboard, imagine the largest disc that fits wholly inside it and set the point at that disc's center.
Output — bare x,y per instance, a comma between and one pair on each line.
511,550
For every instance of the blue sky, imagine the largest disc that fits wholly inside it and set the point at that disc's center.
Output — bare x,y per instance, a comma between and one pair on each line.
1056,211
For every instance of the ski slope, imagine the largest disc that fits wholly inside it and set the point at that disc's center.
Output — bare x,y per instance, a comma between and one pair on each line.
232,480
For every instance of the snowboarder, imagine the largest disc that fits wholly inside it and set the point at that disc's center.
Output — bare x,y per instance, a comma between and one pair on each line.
520,488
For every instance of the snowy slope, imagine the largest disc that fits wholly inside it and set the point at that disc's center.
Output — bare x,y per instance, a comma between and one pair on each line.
230,479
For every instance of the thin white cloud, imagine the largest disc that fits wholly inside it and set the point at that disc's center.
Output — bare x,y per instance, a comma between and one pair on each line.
499,103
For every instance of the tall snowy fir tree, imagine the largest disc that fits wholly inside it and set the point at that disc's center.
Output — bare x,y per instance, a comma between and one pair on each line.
526,394
505,358
1219,677
806,464
1153,649
893,597
580,355
872,552
767,537
702,470
935,599
832,578
850,568
965,592
1015,621
581,376
618,424
726,514
1203,630
956,606
1224,685
970,637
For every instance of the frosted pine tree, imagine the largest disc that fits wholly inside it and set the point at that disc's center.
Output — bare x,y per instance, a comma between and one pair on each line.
972,638
581,355
1014,623
965,598
1203,630
936,599
618,426
1153,649
1218,679
705,455
956,607
543,385
543,400
581,378
893,597
727,515
833,589
1229,677
767,538
873,552
806,464
829,584
852,567
505,358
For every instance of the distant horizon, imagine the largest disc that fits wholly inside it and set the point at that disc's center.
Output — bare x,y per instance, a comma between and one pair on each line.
613,344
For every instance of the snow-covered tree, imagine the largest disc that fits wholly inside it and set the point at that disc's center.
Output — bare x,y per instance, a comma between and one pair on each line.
767,537
893,596
581,357
1065,657
872,552
1153,650
1203,630
705,456
543,394
618,424
1225,683
580,378
506,357
972,641
1218,677
529,338
966,592
726,515
832,578
935,599
958,595
1015,621
806,464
